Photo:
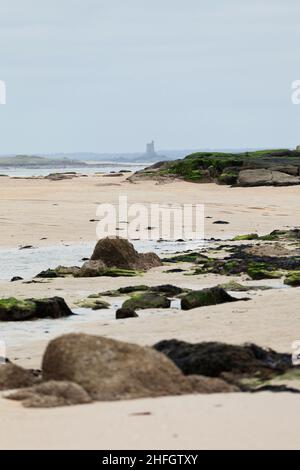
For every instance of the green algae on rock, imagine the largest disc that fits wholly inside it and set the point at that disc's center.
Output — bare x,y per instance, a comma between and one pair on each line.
258,271
206,297
12,309
248,236
293,279
263,167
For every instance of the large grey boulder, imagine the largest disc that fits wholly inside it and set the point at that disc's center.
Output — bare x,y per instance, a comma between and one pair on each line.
112,370
266,177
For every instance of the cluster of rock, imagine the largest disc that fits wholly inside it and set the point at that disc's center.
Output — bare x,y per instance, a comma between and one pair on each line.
260,168
158,297
79,368
259,260
112,256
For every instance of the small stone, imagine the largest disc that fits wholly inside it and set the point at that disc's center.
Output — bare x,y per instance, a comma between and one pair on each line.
125,313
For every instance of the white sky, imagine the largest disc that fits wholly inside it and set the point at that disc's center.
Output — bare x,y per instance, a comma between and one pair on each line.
109,75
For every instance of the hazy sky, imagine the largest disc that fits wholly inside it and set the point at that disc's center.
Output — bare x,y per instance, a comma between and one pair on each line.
109,75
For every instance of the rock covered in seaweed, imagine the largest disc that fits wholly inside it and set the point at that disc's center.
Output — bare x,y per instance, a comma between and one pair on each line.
204,297
147,300
112,256
12,309
212,359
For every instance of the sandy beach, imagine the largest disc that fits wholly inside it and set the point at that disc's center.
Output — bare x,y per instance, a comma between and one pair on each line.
59,212
32,209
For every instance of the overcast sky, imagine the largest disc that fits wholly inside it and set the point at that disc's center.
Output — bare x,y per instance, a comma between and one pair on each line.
109,75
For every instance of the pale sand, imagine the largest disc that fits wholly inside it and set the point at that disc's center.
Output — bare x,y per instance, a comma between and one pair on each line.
60,210
234,421
271,319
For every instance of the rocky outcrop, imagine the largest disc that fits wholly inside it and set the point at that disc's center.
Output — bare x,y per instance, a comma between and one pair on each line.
112,370
210,296
116,252
79,368
112,256
13,309
266,177
267,167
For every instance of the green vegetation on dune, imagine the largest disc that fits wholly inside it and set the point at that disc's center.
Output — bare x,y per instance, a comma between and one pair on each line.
223,167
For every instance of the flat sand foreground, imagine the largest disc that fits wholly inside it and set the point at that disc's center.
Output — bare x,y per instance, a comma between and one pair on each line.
233,421
60,212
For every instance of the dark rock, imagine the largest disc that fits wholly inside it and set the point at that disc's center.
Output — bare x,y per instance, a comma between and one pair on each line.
213,359
293,279
51,394
205,297
130,289
48,273
112,370
147,300
60,271
125,313
175,270
220,222
167,289
12,309
16,278
54,307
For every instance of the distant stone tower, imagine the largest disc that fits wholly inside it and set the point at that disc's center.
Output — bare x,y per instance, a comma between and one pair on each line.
150,149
